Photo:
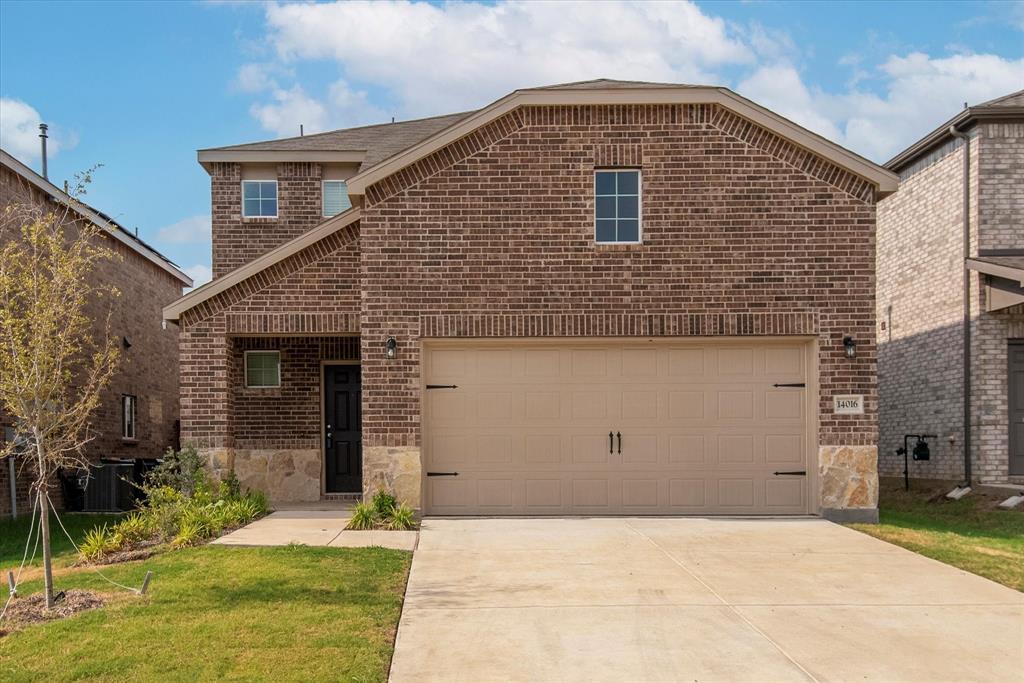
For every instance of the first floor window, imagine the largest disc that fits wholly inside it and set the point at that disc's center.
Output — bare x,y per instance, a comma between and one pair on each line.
262,369
335,197
617,206
259,198
128,405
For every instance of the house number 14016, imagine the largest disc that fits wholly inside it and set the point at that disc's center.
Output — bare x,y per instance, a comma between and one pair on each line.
849,405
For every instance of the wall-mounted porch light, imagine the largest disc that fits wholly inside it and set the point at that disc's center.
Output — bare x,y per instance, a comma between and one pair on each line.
850,347
391,348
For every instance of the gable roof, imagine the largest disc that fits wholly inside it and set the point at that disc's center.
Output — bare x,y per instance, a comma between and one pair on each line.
96,217
366,145
606,92
1007,107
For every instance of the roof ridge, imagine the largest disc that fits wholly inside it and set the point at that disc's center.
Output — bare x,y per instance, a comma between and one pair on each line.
995,102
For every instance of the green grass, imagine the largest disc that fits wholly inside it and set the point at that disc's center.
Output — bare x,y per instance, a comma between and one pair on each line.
970,533
256,614
14,532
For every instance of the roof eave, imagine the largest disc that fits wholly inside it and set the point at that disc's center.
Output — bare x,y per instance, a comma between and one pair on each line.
172,312
885,181
207,157
94,217
964,119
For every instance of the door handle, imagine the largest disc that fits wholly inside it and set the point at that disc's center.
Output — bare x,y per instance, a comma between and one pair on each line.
611,443
619,434
330,441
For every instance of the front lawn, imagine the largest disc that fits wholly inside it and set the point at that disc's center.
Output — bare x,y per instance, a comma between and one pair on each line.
14,532
972,533
277,614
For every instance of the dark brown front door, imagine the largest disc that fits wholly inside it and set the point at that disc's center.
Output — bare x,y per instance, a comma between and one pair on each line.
1016,391
343,438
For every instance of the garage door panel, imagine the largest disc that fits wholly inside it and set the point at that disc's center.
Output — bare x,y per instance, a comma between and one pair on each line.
702,429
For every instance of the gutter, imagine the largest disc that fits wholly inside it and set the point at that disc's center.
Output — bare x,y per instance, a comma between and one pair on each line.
967,301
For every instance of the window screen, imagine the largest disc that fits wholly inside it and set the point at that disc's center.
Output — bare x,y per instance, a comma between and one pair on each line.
263,368
335,197
128,417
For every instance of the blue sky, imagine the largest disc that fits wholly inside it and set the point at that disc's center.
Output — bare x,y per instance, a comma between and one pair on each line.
139,87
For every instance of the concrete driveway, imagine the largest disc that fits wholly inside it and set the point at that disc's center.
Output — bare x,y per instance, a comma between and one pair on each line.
694,600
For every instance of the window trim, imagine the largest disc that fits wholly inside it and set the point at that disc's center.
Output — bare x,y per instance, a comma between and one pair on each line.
277,196
133,401
323,197
639,203
245,369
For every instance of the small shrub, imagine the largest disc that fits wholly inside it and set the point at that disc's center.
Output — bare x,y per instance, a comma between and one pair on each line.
189,533
134,528
384,503
183,471
402,518
98,542
364,516
230,488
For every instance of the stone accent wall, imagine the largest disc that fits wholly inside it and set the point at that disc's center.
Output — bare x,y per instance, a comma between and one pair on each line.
148,370
393,468
238,240
737,224
848,478
920,305
286,475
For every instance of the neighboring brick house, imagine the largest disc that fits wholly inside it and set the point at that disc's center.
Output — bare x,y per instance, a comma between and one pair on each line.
602,297
147,378
921,270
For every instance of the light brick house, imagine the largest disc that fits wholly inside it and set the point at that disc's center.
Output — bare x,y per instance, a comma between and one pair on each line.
922,263
601,297
138,415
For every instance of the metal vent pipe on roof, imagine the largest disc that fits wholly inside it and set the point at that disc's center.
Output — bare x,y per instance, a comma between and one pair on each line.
42,139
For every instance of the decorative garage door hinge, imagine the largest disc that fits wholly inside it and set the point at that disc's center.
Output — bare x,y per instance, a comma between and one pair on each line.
442,474
442,386
801,385
800,473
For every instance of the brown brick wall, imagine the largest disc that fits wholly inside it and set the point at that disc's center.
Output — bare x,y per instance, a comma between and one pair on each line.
505,230
148,370
920,305
238,240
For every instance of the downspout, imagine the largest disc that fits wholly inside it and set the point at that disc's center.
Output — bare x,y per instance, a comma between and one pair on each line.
967,302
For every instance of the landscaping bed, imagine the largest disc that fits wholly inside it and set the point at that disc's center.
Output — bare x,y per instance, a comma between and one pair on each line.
973,533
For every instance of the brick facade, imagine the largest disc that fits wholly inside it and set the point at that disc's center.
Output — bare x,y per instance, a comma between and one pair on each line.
744,234
920,304
148,369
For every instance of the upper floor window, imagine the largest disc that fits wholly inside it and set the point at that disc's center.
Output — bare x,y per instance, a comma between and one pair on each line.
262,369
617,206
335,197
259,198
128,416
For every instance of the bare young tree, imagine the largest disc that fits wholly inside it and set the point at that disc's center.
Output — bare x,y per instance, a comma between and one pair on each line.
54,363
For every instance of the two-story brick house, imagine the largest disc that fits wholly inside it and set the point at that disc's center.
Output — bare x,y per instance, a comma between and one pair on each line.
138,414
925,253
593,298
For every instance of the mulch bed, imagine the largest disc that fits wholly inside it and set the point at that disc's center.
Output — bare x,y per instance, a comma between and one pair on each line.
31,609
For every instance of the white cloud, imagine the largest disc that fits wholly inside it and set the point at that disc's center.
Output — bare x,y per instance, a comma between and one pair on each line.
919,93
439,58
289,109
191,230
200,274
19,132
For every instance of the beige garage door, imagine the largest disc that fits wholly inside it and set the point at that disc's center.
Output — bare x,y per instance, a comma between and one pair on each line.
621,428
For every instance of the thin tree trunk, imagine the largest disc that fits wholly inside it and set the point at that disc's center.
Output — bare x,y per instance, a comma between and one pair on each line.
42,484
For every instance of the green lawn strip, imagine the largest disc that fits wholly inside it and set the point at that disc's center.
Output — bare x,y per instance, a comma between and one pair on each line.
281,614
14,532
969,534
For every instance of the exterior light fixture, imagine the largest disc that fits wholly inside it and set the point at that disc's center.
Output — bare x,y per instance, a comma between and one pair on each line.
390,348
850,347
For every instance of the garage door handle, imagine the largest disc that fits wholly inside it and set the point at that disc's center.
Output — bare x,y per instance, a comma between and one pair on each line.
801,473
442,474
611,443
619,434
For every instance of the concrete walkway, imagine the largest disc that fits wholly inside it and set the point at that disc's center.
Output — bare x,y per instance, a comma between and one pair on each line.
315,527
694,600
